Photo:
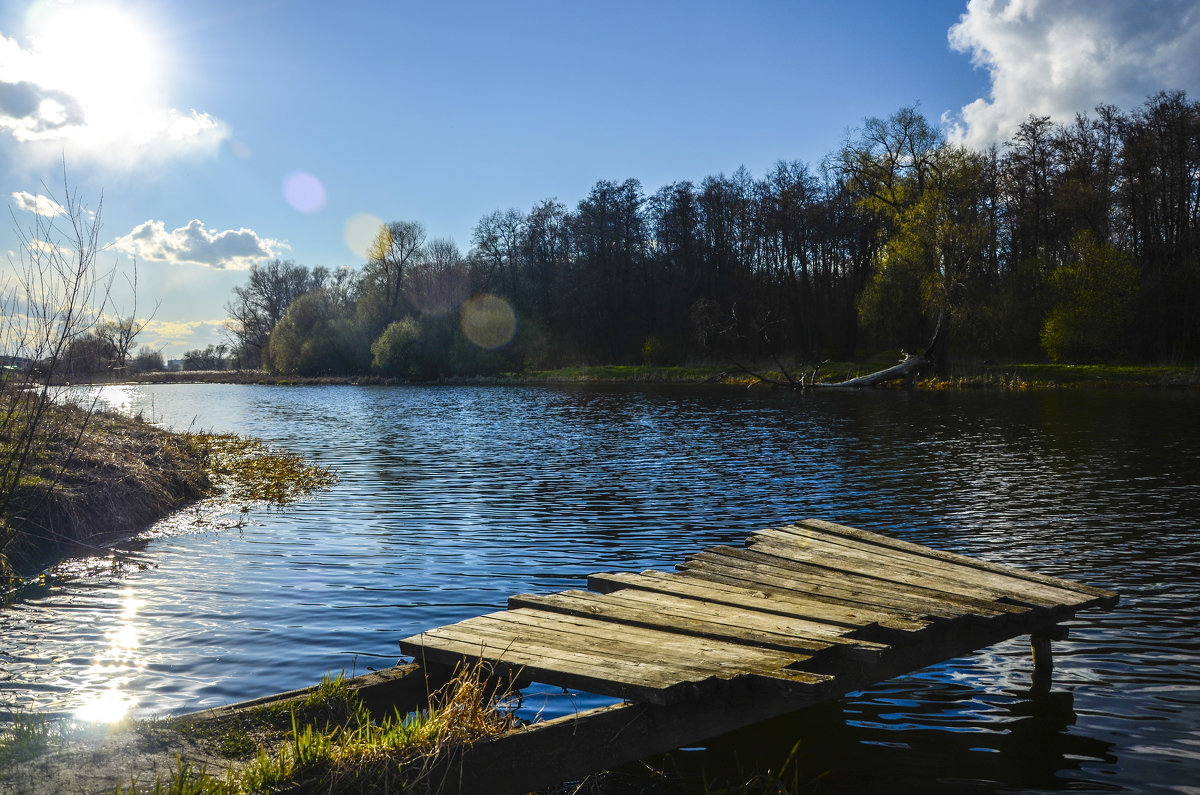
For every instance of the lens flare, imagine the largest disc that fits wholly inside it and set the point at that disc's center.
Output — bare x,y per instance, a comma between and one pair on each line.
304,192
360,231
488,320
106,706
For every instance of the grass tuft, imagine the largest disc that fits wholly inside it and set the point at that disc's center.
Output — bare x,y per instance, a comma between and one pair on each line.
328,742
24,737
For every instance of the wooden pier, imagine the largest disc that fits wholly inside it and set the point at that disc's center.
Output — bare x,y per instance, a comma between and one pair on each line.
801,614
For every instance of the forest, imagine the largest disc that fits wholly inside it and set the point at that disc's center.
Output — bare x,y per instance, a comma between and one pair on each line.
1072,242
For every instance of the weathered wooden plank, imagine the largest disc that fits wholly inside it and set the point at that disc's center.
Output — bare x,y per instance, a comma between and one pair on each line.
718,611
646,681
495,643
697,653
758,597
823,585
803,539
570,747
1005,581
710,574
917,571
746,616
1107,598
837,569
738,626
545,641
863,563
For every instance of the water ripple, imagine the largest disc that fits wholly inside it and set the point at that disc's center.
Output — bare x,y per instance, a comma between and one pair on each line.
451,499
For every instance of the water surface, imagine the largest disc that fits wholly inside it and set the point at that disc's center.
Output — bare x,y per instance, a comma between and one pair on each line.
452,498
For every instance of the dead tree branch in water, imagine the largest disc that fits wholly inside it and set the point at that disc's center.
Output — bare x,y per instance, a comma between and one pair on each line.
907,367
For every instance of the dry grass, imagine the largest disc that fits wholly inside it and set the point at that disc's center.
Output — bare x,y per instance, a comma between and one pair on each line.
329,743
95,477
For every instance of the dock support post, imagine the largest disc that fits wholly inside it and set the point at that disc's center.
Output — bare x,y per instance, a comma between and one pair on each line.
1043,657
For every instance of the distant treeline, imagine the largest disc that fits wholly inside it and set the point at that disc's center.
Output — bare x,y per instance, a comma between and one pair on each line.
1077,242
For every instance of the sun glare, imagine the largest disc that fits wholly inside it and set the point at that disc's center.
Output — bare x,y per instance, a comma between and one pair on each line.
104,57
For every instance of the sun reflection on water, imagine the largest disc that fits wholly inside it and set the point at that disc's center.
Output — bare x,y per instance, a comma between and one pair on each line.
104,693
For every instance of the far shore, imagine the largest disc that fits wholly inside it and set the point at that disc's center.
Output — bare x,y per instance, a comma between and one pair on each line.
1012,377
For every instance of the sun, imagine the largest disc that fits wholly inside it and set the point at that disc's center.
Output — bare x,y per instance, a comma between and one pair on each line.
103,57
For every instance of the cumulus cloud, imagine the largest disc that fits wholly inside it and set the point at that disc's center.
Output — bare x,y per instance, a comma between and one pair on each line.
1060,57
234,249
39,204
31,112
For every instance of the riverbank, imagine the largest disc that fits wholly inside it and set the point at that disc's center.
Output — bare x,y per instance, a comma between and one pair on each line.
89,478
1018,376
384,731
94,477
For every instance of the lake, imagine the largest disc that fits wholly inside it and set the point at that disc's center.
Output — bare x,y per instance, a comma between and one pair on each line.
452,498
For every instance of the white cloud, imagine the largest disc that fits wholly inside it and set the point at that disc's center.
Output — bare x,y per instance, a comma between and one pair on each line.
39,204
89,83
235,249
1060,57
181,334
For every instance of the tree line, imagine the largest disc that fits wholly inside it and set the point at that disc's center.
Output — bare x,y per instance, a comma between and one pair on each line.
1074,241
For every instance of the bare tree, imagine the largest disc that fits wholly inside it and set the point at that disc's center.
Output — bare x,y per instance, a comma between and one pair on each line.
261,303
399,246
497,244
56,298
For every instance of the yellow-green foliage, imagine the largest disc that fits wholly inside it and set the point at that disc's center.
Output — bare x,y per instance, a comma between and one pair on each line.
1095,305
258,473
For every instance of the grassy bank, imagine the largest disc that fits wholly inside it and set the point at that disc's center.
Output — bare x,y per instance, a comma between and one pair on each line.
1014,376
326,741
90,478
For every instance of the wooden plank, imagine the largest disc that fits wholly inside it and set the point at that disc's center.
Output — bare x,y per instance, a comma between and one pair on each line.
699,619
543,642
1106,598
711,573
918,571
497,642
834,569
910,576
784,602
752,616
1005,581
645,681
683,651
803,539
823,585
569,748
734,615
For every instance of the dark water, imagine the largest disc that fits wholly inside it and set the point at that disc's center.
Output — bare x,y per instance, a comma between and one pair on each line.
453,498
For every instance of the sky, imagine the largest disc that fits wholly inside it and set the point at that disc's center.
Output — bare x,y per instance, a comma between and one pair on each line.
216,134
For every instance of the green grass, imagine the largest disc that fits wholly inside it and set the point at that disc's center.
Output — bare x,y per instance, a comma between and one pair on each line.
257,473
1138,374
25,737
332,744
625,373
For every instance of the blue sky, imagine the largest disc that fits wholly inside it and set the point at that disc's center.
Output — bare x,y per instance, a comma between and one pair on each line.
225,133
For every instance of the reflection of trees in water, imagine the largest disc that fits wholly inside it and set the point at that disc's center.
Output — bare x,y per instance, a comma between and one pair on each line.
898,738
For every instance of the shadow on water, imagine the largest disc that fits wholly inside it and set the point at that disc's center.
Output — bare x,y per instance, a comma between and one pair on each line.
900,737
